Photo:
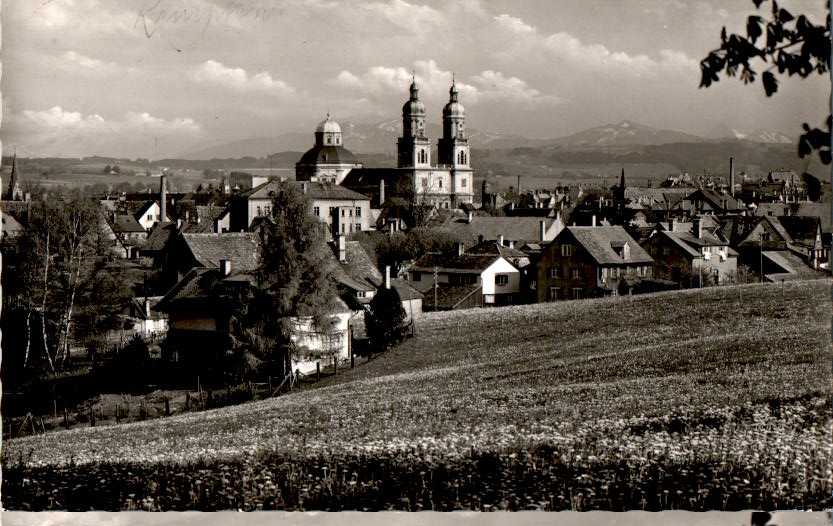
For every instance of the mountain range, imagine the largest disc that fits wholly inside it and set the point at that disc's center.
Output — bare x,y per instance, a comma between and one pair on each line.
381,138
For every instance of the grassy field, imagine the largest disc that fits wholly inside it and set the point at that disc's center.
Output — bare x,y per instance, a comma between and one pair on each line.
713,399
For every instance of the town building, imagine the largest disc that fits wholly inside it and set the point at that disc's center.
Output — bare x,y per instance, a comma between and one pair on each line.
587,261
692,254
330,203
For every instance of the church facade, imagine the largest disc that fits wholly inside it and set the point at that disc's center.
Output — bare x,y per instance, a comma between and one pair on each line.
446,184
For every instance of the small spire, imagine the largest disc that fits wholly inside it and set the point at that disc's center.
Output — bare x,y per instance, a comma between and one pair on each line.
328,113
452,78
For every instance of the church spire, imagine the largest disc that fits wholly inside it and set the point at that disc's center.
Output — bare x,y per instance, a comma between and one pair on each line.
13,188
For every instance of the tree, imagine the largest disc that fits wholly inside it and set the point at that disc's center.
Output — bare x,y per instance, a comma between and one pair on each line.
792,45
293,281
385,319
58,277
394,251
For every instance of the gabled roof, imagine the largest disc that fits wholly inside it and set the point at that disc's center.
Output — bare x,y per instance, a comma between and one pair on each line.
405,290
598,241
495,249
691,245
242,249
144,207
126,224
465,264
801,228
160,235
449,296
198,284
314,190
524,229
359,266
792,266
714,199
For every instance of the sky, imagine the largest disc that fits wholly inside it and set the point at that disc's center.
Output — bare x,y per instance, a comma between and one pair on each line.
158,78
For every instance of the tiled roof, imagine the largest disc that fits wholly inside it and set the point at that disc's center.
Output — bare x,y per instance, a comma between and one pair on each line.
793,266
242,249
125,224
314,190
820,210
598,242
198,283
467,263
448,296
160,235
359,266
801,228
524,229
405,290
493,248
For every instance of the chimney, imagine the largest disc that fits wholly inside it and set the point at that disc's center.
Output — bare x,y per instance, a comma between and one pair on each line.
543,229
672,225
469,216
387,276
391,225
304,187
479,239
225,267
593,223
460,249
147,307
732,176
519,185
381,192
163,200
696,227
512,205
511,244
342,248
500,240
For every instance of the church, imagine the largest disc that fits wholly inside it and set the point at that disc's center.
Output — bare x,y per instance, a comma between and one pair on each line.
447,184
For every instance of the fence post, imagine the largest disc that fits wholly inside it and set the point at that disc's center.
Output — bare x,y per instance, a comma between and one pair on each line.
317,371
188,401
352,360
270,386
92,416
66,418
167,407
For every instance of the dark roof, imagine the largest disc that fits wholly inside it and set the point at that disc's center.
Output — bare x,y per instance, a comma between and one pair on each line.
139,307
326,154
793,267
398,182
242,249
197,284
691,245
448,296
359,266
495,249
369,240
598,242
821,210
523,229
125,224
160,235
405,290
801,228
467,263
314,190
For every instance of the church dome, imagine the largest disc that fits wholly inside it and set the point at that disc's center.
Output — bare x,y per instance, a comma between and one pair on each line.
328,126
453,108
414,106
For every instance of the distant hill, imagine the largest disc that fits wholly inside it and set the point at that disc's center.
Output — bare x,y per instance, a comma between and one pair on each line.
625,133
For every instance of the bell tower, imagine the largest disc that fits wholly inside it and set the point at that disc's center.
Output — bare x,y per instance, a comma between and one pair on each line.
413,148
453,148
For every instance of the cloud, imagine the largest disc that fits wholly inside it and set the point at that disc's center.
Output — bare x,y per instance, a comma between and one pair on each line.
514,24
380,82
414,18
238,79
55,119
89,62
495,85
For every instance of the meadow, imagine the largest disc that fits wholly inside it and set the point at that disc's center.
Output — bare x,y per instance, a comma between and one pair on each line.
716,399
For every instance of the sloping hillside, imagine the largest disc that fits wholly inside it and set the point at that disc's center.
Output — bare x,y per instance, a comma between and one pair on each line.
720,396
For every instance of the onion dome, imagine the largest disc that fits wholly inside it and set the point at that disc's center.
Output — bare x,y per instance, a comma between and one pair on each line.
414,106
454,108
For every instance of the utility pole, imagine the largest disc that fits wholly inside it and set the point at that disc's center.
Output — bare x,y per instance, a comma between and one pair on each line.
436,286
762,258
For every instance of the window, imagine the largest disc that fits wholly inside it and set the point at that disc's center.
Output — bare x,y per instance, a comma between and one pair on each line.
463,183
316,210
342,212
576,294
554,293
343,228
358,227
553,272
417,276
259,211
424,181
358,211
351,228
150,217
566,250
575,274
351,212
604,273
501,279
440,183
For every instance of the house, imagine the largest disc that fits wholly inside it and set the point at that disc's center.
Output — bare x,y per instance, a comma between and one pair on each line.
200,308
208,219
144,319
692,252
150,213
588,261
513,230
330,203
806,235
481,279
518,258
126,235
703,201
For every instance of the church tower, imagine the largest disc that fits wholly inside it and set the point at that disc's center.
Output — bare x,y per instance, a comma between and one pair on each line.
414,150
14,193
453,148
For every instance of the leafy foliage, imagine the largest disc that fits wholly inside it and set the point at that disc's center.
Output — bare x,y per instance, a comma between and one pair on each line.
385,319
791,45
396,250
